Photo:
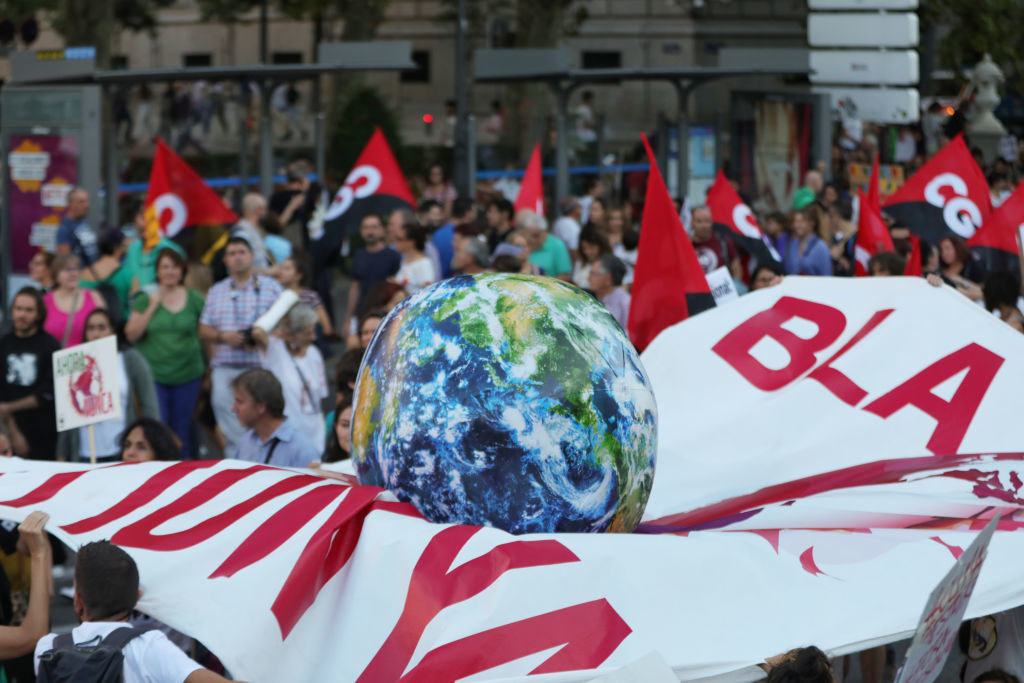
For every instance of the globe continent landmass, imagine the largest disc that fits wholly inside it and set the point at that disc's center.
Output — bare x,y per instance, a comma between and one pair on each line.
507,400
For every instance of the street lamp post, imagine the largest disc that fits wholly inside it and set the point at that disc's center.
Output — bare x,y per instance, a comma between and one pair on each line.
461,174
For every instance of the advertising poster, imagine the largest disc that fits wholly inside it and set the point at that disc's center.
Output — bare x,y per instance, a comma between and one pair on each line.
85,386
41,171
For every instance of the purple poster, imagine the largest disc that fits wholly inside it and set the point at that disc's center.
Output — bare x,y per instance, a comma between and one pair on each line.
41,171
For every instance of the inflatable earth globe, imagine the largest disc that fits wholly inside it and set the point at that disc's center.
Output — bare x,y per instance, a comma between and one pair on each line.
510,401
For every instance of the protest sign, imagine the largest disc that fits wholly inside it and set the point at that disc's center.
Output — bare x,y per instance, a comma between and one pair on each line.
940,621
85,385
723,288
890,178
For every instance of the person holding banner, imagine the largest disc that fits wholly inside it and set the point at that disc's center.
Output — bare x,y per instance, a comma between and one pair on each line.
958,268
106,591
138,399
26,378
16,641
68,305
164,326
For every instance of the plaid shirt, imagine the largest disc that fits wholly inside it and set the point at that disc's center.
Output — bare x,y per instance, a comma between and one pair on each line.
232,308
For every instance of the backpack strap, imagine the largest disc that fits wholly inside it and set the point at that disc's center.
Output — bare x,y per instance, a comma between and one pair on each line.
120,637
62,642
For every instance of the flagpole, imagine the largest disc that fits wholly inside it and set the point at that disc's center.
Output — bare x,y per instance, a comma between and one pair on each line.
92,444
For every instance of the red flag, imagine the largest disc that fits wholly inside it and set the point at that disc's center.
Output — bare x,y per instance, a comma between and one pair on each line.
947,196
996,241
872,232
668,282
734,219
178,198
374,185
913,267
531,190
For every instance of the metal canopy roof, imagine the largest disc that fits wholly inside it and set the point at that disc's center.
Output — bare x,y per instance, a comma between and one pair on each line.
580,76
259,72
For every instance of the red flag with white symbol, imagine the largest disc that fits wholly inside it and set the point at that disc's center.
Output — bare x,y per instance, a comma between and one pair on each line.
178,198
996,242
734,219
375,185
947,196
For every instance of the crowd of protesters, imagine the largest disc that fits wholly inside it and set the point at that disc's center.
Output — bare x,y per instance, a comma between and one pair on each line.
199,378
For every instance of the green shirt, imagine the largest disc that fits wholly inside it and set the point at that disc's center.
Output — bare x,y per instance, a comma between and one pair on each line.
553,257
171,342
121,282
143,264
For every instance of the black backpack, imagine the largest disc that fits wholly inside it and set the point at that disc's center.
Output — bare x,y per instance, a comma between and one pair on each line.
94,661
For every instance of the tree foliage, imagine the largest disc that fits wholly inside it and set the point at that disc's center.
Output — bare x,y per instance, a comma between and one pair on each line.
90,22
977,27
364,110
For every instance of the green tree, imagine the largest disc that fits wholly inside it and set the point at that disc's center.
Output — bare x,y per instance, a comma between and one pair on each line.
364,110
976,27
90,22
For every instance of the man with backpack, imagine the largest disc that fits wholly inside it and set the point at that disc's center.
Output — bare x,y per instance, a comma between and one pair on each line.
105,648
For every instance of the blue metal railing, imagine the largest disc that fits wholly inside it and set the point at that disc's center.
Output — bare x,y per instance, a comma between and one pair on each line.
234,181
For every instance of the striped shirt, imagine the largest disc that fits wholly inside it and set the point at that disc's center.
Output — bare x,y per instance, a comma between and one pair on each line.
230,307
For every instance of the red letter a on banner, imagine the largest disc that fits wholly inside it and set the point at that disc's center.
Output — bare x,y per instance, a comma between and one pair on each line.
954,416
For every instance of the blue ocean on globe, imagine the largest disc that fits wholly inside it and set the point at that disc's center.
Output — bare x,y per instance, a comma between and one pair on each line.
507,400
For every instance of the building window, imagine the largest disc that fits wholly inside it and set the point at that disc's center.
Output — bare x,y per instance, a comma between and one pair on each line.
286,58
119,62
421,74
602,59
197,59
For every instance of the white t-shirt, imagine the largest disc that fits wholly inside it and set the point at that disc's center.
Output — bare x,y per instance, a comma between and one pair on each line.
568,230
302,410
106,433
149,658
415,275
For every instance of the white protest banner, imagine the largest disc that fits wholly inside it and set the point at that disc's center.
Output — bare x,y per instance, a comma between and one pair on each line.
723,288
85,385
288,576
821,383
826,447
940,621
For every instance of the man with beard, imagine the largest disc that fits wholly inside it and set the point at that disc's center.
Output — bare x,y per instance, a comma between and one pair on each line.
26,385
373,263
713,251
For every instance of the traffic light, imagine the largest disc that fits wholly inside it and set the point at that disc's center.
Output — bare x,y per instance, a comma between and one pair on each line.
428,124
